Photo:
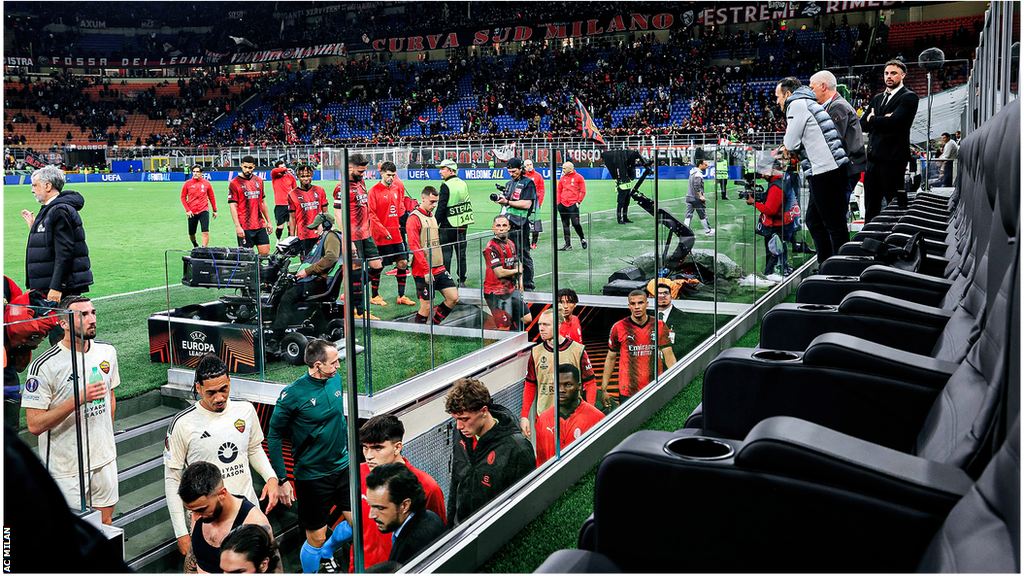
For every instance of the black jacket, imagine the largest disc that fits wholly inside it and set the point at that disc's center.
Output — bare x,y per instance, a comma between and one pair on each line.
889,138
57,257
502,456
419,532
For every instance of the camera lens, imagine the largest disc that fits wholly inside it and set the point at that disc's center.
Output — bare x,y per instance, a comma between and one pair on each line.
494,197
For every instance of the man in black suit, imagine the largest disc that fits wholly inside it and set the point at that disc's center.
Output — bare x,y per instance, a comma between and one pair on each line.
887,120
674,318
399,506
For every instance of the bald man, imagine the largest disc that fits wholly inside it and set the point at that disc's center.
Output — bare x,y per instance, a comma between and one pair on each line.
572,188
847,124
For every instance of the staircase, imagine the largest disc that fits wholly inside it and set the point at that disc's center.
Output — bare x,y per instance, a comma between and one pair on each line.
140,427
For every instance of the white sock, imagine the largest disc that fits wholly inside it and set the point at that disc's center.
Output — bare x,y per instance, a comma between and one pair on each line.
705,223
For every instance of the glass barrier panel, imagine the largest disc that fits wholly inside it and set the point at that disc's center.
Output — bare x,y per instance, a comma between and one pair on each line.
212,307
40,377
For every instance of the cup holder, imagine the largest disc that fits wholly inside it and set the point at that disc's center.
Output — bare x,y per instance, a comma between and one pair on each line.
844,278
699,448
816,307
775,356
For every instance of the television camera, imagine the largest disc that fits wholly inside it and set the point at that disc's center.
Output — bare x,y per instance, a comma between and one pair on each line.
260,282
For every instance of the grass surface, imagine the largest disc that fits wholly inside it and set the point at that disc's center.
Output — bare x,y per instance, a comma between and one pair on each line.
558,527
137,234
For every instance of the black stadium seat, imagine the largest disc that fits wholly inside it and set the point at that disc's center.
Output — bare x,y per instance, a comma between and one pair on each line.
859,508
839,453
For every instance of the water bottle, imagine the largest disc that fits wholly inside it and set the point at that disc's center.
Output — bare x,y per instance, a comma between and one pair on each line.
93,378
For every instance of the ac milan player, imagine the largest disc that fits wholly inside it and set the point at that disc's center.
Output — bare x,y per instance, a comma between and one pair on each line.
249,208
304,203
428,269
540,371
362,242
197,196
632,340
283,181
574,415
503,280
538,181
569,325
381,437
387,206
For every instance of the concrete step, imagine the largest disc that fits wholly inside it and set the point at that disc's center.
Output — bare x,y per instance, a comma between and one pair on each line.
151,546
140,467
140,509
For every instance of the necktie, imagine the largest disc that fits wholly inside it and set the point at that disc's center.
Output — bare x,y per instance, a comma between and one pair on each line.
885,100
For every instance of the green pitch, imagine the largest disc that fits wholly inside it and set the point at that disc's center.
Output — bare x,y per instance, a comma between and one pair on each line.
133,229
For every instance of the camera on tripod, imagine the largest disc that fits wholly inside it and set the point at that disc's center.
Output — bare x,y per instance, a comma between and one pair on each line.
751,188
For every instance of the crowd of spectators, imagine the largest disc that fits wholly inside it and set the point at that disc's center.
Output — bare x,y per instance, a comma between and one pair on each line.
630,85
63,97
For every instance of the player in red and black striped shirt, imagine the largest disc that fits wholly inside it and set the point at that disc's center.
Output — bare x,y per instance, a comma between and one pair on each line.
249,208
363,244
632,340
304,203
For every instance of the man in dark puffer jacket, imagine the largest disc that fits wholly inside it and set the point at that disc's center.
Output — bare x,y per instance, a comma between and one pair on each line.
57,258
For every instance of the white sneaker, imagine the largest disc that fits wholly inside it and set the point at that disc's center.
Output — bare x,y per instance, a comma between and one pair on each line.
709,232
774,277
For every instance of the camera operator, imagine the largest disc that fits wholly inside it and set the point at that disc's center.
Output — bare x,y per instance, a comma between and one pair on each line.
776,216
311,279
517,201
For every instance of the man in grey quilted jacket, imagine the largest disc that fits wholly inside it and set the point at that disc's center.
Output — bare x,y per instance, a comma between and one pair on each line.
811,133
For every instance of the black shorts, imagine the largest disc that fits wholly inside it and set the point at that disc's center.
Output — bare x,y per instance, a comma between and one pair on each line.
254,238
442,280
366,249
507,310
391,253
200,220
281,214
536,226
569,211
317,497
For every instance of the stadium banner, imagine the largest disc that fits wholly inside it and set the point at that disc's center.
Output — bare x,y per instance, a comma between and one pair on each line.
664,172
17,61
12,180
209,59
125,177
541,154
718,13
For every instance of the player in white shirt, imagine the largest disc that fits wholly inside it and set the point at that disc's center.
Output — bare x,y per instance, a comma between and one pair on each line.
224,432
50,409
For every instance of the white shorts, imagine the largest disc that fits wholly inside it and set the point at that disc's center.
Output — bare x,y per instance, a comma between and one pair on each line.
102,488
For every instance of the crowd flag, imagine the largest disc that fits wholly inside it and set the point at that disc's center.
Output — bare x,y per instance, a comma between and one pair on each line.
289,131
505,153
586,124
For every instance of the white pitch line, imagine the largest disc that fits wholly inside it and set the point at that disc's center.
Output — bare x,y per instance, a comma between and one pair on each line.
136,292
